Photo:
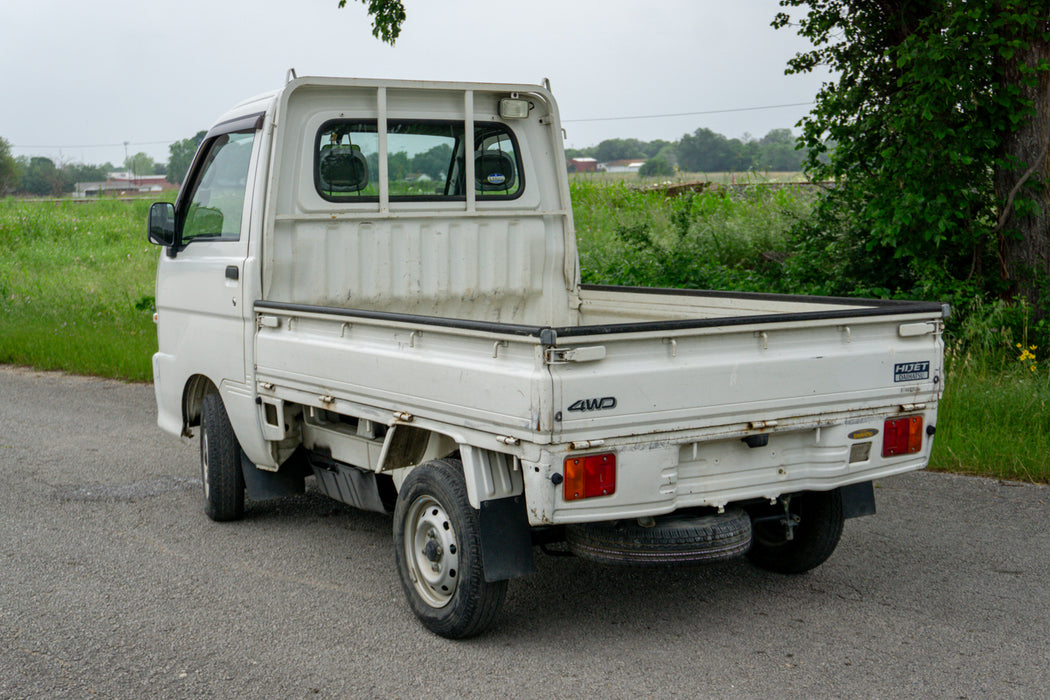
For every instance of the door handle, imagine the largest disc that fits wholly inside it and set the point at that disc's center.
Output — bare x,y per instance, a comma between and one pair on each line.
232,272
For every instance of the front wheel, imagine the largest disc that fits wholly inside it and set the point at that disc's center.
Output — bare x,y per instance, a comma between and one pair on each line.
437,546
220,463
818,520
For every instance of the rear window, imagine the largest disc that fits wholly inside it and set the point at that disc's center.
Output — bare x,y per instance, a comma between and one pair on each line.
426,160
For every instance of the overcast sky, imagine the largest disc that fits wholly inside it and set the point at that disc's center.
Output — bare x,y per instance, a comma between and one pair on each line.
81,78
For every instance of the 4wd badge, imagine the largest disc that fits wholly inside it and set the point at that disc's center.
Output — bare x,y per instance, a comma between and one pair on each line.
601,404
911,371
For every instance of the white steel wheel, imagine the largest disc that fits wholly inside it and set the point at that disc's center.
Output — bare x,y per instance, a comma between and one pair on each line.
437,547
431,551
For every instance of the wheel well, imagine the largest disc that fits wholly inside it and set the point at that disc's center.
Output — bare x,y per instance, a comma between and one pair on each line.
197,387
410,446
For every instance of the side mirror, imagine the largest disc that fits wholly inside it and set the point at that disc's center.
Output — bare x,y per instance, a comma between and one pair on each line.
161,228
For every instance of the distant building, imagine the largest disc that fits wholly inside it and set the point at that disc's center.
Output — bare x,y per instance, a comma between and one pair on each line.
123,183
631,165
583,165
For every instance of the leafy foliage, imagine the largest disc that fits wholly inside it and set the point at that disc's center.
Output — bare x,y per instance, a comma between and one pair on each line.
656,166
387,18
139,164
41,177
726,238
707,151
82,172
9,171
911,132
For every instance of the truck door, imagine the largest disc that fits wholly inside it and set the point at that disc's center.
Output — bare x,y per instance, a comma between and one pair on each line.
200,293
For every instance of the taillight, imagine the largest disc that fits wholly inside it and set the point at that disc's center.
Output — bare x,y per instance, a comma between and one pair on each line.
590,475
902,436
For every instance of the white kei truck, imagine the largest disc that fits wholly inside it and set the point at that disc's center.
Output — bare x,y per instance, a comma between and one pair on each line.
375,284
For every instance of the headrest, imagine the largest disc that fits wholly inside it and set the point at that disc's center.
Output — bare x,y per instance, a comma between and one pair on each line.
494,171
343,169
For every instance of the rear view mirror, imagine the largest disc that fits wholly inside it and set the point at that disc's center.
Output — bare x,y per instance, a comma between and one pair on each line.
162,223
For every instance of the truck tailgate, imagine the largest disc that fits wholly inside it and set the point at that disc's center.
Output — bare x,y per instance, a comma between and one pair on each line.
726,379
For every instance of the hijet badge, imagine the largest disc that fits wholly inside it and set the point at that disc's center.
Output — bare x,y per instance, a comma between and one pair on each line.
911,371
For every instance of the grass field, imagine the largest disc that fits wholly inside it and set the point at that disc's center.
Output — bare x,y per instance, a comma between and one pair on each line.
76,286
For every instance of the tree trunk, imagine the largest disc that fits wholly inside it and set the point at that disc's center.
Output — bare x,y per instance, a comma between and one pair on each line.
1023,188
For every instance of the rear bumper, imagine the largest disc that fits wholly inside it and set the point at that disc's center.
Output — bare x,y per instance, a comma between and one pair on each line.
660,476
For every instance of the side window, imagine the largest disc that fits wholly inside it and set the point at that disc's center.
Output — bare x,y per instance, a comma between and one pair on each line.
216,200
426,160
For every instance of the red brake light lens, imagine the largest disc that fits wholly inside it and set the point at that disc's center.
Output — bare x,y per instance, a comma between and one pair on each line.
902,436
589,476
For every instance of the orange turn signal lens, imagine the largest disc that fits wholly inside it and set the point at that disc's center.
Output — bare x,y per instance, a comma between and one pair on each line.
902,436
589,476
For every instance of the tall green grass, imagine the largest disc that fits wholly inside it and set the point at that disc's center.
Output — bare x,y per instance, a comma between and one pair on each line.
76,286
729,238
995,422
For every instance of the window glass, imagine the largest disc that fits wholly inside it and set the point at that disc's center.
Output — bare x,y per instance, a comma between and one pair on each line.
425,160
420,157
217,199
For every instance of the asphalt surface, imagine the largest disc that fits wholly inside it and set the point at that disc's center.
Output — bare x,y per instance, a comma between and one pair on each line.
113,583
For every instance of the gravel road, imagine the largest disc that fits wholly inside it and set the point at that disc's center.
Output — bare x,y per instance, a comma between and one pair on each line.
114,583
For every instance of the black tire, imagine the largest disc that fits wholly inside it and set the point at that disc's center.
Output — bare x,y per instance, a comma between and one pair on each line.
673,540
437,546
816,535
220,463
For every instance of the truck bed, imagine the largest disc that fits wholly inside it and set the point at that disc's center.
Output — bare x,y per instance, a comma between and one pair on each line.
671,361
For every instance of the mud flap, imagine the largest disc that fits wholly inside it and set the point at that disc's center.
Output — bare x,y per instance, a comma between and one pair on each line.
506,539
263,485
858,500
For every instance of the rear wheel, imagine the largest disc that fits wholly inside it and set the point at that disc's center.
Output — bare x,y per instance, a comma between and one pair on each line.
437,546
220,463
815,520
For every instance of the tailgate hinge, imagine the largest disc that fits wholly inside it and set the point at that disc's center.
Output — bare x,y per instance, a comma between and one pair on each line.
589,353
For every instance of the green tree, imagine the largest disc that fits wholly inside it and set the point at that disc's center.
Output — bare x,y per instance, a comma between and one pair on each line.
580,152
10,173
396,165
707,151
777,151
40,177
653,148
619,149
81,172
181,157
434,162
387,18
656,166
139,164
940,120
